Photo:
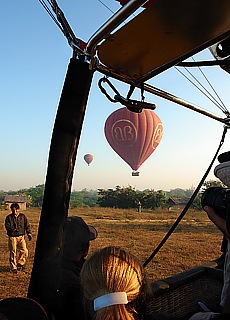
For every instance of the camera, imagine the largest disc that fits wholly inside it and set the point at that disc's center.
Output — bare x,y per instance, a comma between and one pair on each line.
218,198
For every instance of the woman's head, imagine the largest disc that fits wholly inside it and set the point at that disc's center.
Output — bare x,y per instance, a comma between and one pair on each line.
113,270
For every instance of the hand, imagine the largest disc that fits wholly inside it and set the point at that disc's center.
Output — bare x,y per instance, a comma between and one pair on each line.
217,220
210,211
29,237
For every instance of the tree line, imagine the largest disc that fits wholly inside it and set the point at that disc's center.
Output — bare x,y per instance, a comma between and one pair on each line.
119,197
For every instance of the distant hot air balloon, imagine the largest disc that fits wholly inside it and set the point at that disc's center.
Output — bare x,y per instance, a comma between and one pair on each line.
133,136
88,158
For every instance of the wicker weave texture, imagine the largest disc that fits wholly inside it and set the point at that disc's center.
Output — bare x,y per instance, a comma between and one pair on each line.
182,302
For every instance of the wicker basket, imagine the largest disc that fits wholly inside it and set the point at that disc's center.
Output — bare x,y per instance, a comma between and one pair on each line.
178,296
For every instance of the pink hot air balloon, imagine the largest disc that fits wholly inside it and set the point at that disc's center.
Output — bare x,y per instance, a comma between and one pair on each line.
133,136
88,158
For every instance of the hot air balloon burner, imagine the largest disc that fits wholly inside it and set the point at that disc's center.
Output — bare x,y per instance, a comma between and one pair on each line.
132,105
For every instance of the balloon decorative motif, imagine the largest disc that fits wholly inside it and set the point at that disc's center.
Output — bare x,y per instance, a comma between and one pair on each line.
88,158
133,136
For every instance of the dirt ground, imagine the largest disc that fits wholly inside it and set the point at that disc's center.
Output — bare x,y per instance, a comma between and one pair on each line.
195,241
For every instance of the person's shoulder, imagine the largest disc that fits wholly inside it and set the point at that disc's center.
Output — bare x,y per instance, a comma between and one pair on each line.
22,215
9,215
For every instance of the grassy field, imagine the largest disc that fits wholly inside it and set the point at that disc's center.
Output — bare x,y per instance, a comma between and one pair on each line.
195,241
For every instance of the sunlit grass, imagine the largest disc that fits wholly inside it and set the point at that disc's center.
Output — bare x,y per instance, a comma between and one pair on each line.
195,241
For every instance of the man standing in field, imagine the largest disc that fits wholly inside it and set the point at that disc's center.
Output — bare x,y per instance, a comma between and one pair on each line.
17,226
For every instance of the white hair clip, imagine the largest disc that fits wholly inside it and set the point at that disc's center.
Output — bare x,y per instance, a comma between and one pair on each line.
110,299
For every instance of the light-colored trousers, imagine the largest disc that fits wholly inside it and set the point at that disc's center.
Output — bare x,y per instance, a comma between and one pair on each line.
14,244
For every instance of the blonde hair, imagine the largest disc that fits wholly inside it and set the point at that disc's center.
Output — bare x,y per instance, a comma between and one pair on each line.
112,270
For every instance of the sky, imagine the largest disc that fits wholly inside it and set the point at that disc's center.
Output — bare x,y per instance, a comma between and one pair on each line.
34,58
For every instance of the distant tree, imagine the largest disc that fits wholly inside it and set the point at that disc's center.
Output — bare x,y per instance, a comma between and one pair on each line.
212,183
179,193
154,199
83,198
121,197
197,202
160,199
2,196
35,195
76,199
89,197
106,198
128,197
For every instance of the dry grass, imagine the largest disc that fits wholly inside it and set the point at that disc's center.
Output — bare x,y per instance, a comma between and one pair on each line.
195,241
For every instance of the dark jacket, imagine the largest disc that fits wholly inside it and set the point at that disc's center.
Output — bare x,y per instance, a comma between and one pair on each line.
59,288
17,226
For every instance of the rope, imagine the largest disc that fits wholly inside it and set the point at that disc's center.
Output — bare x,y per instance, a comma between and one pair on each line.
189,202
51,14
213,89
219,103
207,94
60,20
106,6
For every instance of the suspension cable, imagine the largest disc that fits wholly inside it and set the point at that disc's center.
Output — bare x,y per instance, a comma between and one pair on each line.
219,103
50,13
106,6
205,92
212,87
60,20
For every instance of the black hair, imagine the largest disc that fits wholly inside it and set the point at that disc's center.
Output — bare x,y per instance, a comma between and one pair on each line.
15,205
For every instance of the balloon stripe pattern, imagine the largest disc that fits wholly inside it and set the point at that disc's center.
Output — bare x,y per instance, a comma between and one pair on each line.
133,136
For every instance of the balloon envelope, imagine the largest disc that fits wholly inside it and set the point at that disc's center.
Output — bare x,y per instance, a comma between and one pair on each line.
133,136
88,158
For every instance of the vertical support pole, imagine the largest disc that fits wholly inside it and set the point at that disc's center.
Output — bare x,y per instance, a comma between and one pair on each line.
62,156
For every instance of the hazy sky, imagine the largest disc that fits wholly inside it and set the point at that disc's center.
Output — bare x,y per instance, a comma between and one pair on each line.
34,58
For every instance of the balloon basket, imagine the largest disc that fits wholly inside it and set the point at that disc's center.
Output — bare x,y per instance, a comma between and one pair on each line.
135,174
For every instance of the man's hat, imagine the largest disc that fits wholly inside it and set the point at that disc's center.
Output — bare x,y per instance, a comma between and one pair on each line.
77,235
